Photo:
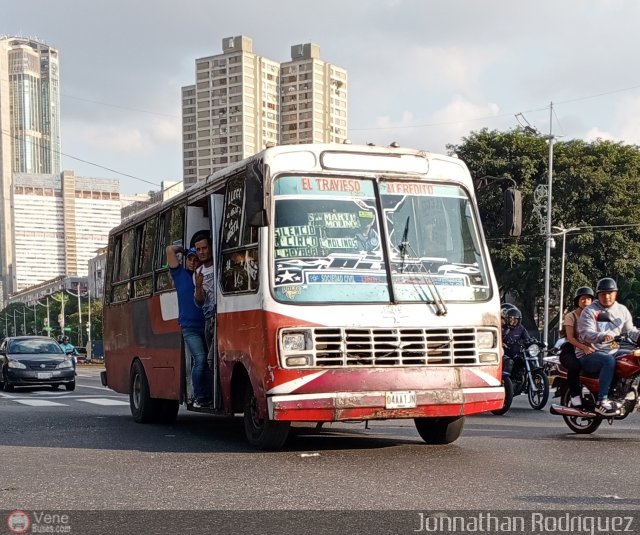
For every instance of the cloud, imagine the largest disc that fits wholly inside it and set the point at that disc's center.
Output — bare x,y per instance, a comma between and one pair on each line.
433,131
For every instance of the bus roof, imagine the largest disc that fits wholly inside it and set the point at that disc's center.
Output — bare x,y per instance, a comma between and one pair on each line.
309,158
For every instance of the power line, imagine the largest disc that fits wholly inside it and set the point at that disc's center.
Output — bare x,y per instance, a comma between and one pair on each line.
37,143
121,107
486,117
596,228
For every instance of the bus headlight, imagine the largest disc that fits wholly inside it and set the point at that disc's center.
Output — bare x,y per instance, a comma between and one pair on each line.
295,341
486,339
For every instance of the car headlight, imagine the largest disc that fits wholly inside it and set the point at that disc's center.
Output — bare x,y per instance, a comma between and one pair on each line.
295,341
486,339
16,364
66,363
533,350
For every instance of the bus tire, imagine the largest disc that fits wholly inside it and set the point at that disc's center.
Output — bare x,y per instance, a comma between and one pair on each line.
440,430
261,433
144,408
167,410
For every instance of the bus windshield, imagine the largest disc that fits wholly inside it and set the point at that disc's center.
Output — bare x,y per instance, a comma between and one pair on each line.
330,238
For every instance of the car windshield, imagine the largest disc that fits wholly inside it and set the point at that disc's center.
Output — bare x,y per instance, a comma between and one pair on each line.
34,345
335,242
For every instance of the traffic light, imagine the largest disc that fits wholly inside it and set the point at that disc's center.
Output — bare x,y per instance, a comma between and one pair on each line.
512,212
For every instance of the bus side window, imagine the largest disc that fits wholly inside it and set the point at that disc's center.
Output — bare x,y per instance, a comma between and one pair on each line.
145,240
239,245
170,231
122,266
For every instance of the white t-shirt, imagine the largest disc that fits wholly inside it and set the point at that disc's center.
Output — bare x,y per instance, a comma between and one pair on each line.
208,286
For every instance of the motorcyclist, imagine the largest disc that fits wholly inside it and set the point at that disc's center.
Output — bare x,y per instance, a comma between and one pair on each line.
514,334
582,299
601,334
68,347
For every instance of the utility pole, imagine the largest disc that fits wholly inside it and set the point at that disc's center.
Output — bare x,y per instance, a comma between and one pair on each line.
547,270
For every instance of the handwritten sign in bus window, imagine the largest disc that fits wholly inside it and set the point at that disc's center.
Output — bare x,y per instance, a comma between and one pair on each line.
231,230
240,271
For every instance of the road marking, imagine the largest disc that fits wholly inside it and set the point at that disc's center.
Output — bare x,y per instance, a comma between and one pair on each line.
40,403
104,401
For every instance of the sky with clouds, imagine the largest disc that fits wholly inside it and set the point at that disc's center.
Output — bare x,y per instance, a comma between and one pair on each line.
424,73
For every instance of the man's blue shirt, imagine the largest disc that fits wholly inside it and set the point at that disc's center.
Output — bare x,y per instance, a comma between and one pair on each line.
189,314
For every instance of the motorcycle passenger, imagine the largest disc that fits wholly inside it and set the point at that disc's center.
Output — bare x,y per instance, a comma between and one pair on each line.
582,298
601,333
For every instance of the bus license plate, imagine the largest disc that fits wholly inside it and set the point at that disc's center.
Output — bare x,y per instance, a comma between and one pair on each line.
400,400
44,375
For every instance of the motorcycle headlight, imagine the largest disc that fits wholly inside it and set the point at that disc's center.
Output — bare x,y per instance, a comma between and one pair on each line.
533,350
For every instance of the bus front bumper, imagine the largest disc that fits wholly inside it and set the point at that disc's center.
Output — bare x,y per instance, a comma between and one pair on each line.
344,406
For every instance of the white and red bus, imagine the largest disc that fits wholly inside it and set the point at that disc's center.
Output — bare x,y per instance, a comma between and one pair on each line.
353,283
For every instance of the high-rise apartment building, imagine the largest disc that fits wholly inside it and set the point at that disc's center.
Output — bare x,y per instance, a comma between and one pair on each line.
313,98
237,105
60,223
29,126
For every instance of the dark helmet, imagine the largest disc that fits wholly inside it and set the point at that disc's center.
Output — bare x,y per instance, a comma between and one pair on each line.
514,314
606,285
65,339
583,290
504,309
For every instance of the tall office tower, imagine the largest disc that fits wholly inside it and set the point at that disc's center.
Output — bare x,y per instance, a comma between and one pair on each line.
233,110
60,223
29,126
314,98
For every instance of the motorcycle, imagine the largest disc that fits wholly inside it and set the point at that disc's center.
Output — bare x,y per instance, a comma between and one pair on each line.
524,373
584,420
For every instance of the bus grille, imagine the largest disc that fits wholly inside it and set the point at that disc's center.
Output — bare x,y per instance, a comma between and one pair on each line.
394,347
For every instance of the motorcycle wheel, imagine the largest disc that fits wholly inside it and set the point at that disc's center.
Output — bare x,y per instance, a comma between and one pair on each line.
508,397
538,391
578,424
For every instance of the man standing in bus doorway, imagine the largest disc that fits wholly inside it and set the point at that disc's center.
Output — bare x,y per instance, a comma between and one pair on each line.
191,321
205,290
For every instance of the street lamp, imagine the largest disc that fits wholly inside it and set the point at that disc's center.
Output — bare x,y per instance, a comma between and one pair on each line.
24,320
528,129
547,271
79,314
35,317
564,232
48,329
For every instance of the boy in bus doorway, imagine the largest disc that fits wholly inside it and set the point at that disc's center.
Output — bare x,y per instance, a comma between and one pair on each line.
191,320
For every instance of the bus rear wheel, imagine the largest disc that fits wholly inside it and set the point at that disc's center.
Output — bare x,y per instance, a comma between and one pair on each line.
144,408
440,430
262,433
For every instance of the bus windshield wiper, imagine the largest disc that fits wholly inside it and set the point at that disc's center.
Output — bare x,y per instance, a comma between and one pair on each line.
404,244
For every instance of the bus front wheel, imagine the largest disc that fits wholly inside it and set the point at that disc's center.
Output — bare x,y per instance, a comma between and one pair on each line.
439,430
262,433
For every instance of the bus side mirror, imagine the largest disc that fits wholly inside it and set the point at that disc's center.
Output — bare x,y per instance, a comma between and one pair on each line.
512,212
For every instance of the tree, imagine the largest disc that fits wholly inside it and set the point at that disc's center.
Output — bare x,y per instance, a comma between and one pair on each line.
594,187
